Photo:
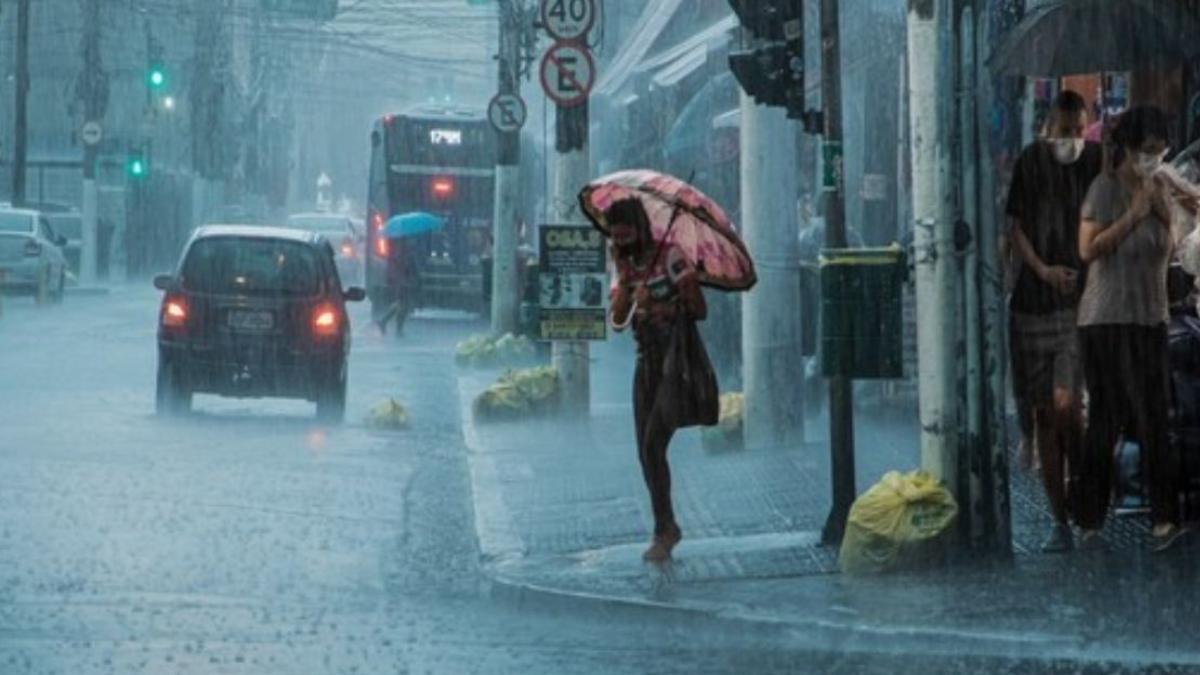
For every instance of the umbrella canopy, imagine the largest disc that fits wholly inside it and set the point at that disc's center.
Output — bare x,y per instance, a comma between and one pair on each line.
682,216
411,224
1073,37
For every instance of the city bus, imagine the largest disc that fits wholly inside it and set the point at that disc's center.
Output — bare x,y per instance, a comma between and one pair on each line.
440,162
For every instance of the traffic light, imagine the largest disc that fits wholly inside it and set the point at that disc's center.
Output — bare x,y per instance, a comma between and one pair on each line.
156,70
772,73
157,77
771,20
136,165
762,73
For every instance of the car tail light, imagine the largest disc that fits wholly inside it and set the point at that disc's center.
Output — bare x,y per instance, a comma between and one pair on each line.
326,321
174,312
442,187
382,247
33,248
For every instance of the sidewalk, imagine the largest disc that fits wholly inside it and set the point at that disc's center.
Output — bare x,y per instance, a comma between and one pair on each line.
562,512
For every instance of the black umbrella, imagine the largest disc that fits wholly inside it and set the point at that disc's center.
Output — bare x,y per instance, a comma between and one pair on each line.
1073,37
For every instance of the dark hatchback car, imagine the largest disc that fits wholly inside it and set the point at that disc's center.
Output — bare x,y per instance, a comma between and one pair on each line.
254,312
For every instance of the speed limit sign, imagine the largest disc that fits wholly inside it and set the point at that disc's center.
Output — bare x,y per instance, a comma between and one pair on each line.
568,19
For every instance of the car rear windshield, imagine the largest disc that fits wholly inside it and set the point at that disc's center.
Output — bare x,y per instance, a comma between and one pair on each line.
15,222
252,266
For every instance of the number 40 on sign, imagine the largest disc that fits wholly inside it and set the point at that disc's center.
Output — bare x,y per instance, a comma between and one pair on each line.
568,19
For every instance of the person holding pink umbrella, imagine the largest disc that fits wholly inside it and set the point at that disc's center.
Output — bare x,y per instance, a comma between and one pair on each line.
666,239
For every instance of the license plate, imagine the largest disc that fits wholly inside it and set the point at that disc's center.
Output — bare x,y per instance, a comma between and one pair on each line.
251,321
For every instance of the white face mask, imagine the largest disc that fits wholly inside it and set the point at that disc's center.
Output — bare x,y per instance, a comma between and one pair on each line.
1066,150
1145,164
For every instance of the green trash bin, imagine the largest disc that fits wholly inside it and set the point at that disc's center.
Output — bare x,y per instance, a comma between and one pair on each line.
862,313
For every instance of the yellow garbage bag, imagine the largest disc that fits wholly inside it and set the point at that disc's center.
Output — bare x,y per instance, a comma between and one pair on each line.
388,414
900,522
728,434
484,351
733,411
519,394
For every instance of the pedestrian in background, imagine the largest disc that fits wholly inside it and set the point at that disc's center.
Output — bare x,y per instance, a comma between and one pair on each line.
1125,237
402,281
1050,181
654,283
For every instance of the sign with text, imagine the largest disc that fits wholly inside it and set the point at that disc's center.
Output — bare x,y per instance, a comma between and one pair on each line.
573,284
568,19
445,136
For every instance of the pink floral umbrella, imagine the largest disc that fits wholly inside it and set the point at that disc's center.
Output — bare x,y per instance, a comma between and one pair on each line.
682,216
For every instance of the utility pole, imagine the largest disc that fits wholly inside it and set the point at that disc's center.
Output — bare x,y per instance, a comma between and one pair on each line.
567,74
933,243
508,177
999,518
21,140
93,89
841,403
572,170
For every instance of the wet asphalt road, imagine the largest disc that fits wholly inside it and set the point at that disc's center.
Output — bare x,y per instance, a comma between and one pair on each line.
247,538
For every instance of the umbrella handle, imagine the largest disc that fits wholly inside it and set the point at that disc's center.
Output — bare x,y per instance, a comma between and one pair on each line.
620,326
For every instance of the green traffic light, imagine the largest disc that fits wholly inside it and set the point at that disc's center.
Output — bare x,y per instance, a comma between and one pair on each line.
157,78
137,167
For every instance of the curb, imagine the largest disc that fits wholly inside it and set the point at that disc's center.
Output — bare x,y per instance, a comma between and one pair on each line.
998,651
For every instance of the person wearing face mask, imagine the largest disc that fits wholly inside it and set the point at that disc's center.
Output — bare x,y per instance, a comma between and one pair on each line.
1049,182
1125,237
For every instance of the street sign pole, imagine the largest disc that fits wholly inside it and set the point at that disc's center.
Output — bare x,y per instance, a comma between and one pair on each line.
841,402
503,113
91,134
91,207
567,75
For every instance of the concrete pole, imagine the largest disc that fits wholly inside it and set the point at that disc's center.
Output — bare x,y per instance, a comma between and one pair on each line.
504,250
508,182
998,515
572,173
93,107
91,207
933,243
973,326
772,360
21,117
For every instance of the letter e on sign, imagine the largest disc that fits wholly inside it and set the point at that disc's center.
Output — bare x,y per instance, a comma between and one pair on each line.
568,73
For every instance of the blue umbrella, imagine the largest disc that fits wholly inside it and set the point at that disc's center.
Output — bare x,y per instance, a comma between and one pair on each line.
411,224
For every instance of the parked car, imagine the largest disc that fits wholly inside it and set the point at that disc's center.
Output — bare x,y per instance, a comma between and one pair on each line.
349,240
66,221
252,312
31,256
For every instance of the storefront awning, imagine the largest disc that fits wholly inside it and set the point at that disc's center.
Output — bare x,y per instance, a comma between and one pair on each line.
654,19
676,63
716,34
